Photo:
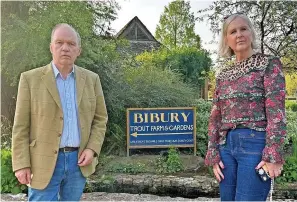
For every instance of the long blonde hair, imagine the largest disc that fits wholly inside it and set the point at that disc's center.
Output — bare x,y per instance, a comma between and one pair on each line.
224,50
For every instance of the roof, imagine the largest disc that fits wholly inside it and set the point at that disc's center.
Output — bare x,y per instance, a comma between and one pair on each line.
136,30
139,36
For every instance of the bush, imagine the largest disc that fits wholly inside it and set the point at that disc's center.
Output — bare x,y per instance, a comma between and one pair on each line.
6,129
9,183
141,87
169,162
291,105
202,114
289,173
290,147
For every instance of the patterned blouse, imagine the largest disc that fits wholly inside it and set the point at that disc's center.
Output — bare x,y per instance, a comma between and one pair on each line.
250,93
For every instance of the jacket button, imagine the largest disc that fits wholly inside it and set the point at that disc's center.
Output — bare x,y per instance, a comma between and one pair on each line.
59,135
61,118
55,151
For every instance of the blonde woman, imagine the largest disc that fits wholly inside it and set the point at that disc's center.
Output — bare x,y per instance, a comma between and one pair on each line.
247,123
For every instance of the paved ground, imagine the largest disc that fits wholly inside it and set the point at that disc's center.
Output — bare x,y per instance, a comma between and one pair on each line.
103,196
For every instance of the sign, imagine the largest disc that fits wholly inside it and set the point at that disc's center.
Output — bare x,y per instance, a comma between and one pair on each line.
161,128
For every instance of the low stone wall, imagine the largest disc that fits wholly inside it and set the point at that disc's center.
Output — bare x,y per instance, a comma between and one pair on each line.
189,187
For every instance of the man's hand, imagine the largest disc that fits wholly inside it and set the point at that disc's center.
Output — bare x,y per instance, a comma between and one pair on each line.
86,157
24,175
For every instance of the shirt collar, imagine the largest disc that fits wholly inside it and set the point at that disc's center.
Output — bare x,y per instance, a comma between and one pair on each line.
57,72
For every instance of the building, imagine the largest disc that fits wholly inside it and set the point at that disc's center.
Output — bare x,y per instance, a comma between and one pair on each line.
139,37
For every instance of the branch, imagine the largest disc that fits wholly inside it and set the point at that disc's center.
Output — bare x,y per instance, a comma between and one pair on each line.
262,26
286,35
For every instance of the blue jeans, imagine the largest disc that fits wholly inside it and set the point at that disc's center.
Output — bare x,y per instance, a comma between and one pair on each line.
66,184
240,156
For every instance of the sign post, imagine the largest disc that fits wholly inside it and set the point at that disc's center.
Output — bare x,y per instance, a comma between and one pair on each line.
161,128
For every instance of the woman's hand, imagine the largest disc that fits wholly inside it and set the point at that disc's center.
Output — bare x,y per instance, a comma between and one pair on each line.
217,170
274,169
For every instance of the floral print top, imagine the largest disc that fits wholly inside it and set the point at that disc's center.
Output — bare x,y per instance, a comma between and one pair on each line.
250,93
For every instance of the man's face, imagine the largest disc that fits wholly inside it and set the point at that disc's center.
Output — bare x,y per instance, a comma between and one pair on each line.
64,47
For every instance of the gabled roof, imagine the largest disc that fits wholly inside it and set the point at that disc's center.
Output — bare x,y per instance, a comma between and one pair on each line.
135,30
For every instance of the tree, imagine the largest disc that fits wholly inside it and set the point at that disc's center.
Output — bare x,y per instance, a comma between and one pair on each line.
176,26
26,28
192,64
275,23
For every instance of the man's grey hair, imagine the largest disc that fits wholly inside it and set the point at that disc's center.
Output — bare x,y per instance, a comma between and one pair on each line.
224,50
66,25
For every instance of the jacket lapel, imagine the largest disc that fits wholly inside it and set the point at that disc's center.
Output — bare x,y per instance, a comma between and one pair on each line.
50,83
80,79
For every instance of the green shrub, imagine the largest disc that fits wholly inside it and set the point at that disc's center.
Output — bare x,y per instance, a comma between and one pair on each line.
203,108
289,173
6,129
291,105
141,87
169,163
127,168
9,183
105,182
291,132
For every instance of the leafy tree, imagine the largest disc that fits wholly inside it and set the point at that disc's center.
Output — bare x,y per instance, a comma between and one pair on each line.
26,28
275,23
176,26
191,63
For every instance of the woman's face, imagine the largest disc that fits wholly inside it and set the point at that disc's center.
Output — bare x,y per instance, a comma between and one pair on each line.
239,36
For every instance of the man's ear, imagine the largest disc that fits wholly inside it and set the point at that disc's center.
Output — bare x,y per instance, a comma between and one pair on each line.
51,49
79,51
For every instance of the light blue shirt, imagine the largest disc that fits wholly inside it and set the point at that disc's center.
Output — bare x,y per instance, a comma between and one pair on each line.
67,91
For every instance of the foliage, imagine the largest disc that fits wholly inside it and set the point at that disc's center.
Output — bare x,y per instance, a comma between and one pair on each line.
176,26
127,168
9,183
276,35
150,87
169,162
26,29
191,63
105,183
202,114
139,87
6,129
291,105
292,129
289,173
291,84
211,83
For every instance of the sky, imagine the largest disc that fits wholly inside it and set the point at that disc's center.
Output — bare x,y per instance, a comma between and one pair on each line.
149,12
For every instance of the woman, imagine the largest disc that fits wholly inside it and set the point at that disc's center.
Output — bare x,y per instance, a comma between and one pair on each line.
247,123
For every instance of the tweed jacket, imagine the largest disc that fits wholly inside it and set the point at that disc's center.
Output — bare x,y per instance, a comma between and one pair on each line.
38,122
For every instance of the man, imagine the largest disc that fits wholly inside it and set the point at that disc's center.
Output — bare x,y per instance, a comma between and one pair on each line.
60,123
